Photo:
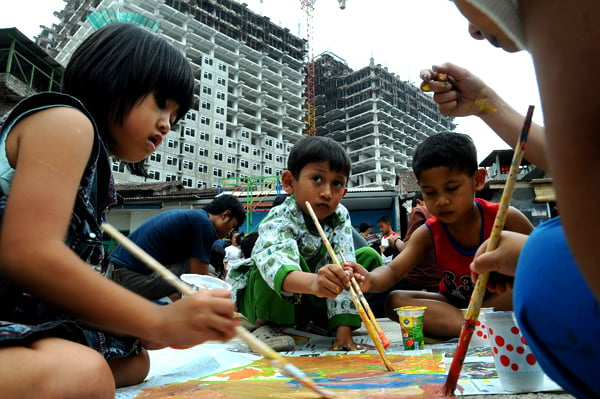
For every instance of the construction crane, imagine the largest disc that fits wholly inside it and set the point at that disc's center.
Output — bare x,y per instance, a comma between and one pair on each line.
311,127
308,7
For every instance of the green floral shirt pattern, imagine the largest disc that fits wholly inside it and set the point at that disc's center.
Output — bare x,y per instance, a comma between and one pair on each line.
286,235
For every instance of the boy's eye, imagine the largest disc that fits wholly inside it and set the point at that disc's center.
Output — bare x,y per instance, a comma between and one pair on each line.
317,179
452,188
339,184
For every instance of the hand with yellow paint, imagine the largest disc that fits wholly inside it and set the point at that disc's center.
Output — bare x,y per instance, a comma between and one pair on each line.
457,91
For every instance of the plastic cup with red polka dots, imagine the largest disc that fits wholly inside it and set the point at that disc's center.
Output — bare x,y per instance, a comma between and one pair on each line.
479,339
516,366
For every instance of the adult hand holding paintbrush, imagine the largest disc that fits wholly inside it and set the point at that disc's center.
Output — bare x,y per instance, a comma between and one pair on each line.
480,285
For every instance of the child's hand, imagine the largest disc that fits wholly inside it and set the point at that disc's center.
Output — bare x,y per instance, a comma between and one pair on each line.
206,315
501,262
330,281
361,275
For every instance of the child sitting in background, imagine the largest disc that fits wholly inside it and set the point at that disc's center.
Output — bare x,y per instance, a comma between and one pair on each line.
292,280
445,165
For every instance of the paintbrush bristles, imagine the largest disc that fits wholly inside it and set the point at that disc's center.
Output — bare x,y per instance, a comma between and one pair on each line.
474,307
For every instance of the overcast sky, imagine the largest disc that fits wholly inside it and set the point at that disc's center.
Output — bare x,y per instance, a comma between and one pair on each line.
403,35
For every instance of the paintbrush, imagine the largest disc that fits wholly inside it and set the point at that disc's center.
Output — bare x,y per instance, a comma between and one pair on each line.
361,311
365,304
479,290
254,343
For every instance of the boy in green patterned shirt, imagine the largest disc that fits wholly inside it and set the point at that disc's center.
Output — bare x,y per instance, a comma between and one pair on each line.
291,279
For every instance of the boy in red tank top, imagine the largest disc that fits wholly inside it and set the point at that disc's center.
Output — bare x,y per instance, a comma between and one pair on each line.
445,165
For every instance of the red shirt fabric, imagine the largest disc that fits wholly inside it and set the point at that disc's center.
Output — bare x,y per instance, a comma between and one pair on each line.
453,262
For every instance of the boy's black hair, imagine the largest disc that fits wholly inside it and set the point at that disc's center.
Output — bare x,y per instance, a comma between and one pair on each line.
248,243
456,151
363,226
224,203
384,219
120,64
418,196
318,149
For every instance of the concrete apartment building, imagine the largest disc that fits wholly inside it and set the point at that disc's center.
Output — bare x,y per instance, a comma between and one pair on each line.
251,86
379,117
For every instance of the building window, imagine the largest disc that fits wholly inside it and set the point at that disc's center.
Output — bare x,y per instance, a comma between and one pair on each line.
201,184
218,140
190,116
278,145
245,134
208,61
221,81
188,131
186,164
218,156
229,174
202,168
279,159
204,136
187,147
207,75
206,90
255,166
154,174
219,125
118,166
268,156
230,144
244,163
222,67
217,172
205,120
220,95
187,182
203,152
231,160
269,142
244,148
220,110
172,143
155,157
170,177
172,161
268,170
256,152
205,105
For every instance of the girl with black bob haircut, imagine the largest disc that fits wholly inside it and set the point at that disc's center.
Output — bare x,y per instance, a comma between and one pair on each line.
111,79
66,331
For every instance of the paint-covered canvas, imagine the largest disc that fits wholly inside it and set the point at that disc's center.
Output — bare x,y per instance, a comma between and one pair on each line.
348,375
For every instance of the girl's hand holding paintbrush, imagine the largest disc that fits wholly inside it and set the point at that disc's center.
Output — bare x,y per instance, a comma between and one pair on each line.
500,262
204,316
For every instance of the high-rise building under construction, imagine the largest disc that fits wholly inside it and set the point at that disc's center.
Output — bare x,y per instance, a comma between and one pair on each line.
250,94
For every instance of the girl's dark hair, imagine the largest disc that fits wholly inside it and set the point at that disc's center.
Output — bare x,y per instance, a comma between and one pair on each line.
120,64
318,149
453,150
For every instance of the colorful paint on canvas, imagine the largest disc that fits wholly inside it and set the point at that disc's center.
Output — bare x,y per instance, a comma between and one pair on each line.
349,375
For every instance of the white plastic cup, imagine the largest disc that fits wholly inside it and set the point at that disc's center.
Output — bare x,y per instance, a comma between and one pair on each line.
516,366
479,339
204,282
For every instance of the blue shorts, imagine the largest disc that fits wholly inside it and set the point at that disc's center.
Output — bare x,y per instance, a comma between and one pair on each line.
557,312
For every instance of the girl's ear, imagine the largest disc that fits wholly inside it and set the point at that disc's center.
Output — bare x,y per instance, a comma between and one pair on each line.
287,181
480,175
